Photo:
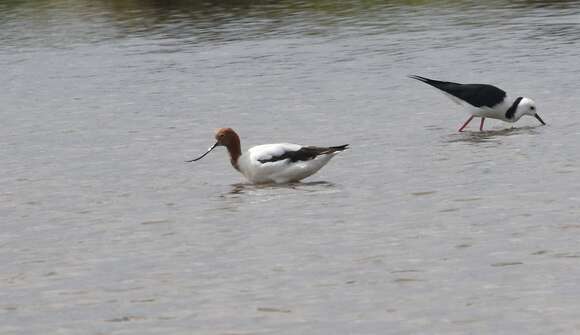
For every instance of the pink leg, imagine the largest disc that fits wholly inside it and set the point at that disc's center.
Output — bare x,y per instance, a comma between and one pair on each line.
481,124
466,123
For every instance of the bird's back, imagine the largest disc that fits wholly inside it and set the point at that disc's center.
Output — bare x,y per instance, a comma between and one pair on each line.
477,95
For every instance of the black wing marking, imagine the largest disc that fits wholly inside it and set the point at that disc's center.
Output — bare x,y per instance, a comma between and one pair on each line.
478,95
512,110
304,154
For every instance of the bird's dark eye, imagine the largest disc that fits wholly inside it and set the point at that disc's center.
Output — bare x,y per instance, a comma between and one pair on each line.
533,108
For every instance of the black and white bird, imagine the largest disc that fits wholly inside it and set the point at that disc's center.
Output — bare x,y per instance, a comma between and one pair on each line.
273,163
485,101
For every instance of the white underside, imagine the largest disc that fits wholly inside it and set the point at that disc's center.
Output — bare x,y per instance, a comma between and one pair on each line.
279,172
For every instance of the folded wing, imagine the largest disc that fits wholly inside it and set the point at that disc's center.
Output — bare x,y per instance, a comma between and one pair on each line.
478,95
272,153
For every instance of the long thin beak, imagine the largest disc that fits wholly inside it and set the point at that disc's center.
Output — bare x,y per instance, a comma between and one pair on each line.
540,119
202,156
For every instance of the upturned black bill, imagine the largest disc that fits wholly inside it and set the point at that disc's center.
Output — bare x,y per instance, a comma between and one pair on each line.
202,156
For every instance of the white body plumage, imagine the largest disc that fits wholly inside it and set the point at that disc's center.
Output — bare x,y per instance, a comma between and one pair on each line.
280,171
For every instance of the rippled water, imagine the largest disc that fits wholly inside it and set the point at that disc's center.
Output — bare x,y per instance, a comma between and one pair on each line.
417,229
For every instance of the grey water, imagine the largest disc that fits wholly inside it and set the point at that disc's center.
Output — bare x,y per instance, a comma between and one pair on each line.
417,229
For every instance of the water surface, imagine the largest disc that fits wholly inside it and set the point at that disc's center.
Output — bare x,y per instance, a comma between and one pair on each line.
417,229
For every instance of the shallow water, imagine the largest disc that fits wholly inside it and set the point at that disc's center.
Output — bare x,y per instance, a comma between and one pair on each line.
417,229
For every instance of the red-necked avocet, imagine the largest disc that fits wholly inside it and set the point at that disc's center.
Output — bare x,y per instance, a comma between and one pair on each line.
483,100
273,163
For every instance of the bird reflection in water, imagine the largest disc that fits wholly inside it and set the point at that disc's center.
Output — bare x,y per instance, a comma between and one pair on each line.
313,186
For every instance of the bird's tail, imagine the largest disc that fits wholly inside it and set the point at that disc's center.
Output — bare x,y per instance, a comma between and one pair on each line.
442,85
312,152
435,83
423,79
337,148
315,151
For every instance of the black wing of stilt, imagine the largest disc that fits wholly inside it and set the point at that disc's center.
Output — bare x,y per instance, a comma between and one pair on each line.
478,95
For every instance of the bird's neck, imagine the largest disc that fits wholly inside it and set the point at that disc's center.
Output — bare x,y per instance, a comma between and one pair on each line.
235,150
510,114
